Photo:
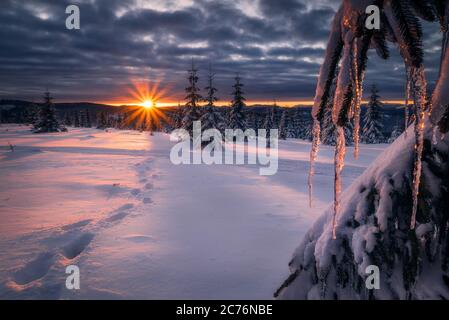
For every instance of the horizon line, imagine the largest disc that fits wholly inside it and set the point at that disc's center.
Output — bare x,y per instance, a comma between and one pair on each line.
278,103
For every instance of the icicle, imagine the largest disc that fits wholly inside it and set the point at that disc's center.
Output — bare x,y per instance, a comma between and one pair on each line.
357,83
339,160
419,95
407,98
316,132
356,105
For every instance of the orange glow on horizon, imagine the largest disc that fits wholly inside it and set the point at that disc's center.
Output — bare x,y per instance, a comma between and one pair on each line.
280,103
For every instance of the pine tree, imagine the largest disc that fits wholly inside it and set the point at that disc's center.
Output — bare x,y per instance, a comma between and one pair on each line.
349,132
192,101
47,121
298,124
67,119
211,98
226,115
252,121
212,118
290,123
102,121
82,118
372,129
237,116
88,121
308,132
76,120
269,124
283,126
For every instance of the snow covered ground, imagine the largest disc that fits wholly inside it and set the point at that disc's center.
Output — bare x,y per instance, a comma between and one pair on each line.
138,226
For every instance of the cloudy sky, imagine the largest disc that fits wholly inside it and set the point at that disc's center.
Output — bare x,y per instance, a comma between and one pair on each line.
275,45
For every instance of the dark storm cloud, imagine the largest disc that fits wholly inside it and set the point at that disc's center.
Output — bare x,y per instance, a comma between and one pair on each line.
282,8
277,47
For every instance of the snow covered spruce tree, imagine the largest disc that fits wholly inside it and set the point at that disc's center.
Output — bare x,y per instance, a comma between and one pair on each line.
283,126
82,118
76,120
301,123
47,121
211,118
308,130
395,216
102,121
252,121
67,120
192,98
372,129
237,115
85,119
292,123
269,124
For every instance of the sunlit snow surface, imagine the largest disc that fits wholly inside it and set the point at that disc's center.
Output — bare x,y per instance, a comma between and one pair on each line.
138,226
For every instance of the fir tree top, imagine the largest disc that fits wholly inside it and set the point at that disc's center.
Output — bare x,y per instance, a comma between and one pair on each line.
47,120
193,97
211,90
374,99
239,100
236,116
48,99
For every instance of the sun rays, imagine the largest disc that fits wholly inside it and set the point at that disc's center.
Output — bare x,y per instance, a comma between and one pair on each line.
145,115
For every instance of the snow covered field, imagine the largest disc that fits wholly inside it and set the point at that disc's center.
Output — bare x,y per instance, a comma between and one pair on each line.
138,226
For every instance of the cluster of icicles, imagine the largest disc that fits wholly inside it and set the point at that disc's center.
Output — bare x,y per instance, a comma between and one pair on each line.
415,89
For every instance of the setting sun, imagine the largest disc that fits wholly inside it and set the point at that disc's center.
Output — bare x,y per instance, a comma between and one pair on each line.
148,104
147,96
